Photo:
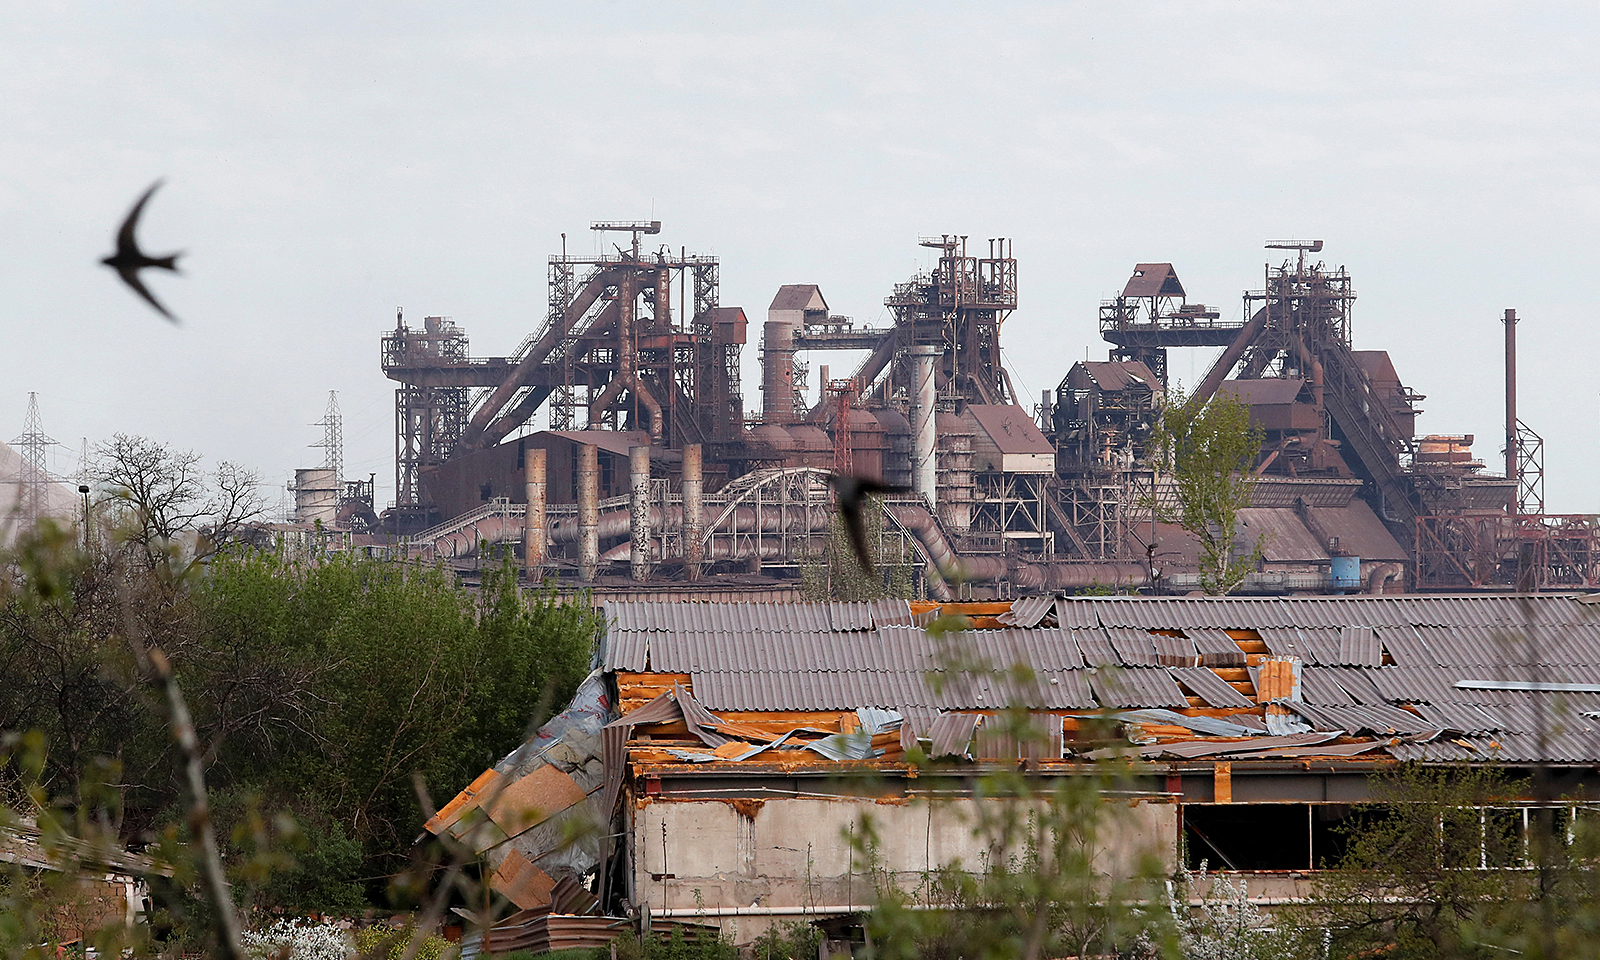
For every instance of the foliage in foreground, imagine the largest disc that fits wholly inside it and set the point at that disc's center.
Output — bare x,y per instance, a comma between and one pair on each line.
320,695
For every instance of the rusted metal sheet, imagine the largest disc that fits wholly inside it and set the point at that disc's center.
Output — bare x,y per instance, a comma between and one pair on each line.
1277,679
519,881
533,798
1210,687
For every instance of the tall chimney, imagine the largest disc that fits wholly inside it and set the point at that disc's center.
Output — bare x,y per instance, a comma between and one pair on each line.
924,436
777,372
1511,411
663,299
588,511
639,519
533,523
694,511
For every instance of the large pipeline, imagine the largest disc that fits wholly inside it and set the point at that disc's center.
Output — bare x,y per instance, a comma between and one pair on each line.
588,511
534,524
694,511
472,436
639,519
924,437
1219,371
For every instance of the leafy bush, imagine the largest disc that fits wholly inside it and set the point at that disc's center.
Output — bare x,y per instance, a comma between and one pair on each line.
390,943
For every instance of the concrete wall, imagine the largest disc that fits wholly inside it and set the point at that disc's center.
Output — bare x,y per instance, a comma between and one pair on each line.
708,856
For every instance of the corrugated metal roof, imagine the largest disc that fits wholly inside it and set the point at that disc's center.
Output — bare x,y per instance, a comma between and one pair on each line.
1359,647
951,734
1177,613
1134,646
1210,687
1136,687
1320,687
1096,649
775,657
1027,611
1076,614
1176,651
1217,649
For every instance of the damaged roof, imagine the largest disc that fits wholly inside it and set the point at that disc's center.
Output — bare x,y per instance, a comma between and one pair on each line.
1381,669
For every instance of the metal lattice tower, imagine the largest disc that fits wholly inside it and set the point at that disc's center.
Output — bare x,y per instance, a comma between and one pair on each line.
33,490
332,444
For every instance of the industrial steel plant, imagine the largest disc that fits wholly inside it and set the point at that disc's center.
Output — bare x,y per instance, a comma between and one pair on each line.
612,445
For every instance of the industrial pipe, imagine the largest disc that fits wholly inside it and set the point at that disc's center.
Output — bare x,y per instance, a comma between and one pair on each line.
533,523
1381,575
663,299
472,436
619,523
639,482
626,375
588,510
1219,371
1512,467
694,511
924,434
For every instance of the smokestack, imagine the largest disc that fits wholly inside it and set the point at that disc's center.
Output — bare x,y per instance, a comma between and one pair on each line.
694,512
1511,411
588,511
924,466
533,524
1047,411
777,372
639,526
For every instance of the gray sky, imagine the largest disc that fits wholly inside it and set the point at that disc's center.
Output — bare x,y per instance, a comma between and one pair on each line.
328,162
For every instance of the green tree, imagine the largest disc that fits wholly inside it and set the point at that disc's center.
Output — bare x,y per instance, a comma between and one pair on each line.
1425,871
837,574
1209,447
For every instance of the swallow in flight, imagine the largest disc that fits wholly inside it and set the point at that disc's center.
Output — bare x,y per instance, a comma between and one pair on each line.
851,493
129,259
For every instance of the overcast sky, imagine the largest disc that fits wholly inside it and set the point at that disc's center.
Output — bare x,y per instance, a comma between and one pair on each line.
326,163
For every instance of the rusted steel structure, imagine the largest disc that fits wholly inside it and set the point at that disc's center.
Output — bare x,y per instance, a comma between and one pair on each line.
636,351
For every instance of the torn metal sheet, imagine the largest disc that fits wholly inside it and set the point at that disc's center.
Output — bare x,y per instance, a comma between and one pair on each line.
1209,687
1210,726
1028,611
951,735
1194,749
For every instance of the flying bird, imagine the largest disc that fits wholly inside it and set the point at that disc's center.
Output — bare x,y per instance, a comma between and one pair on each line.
851,493
129,259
